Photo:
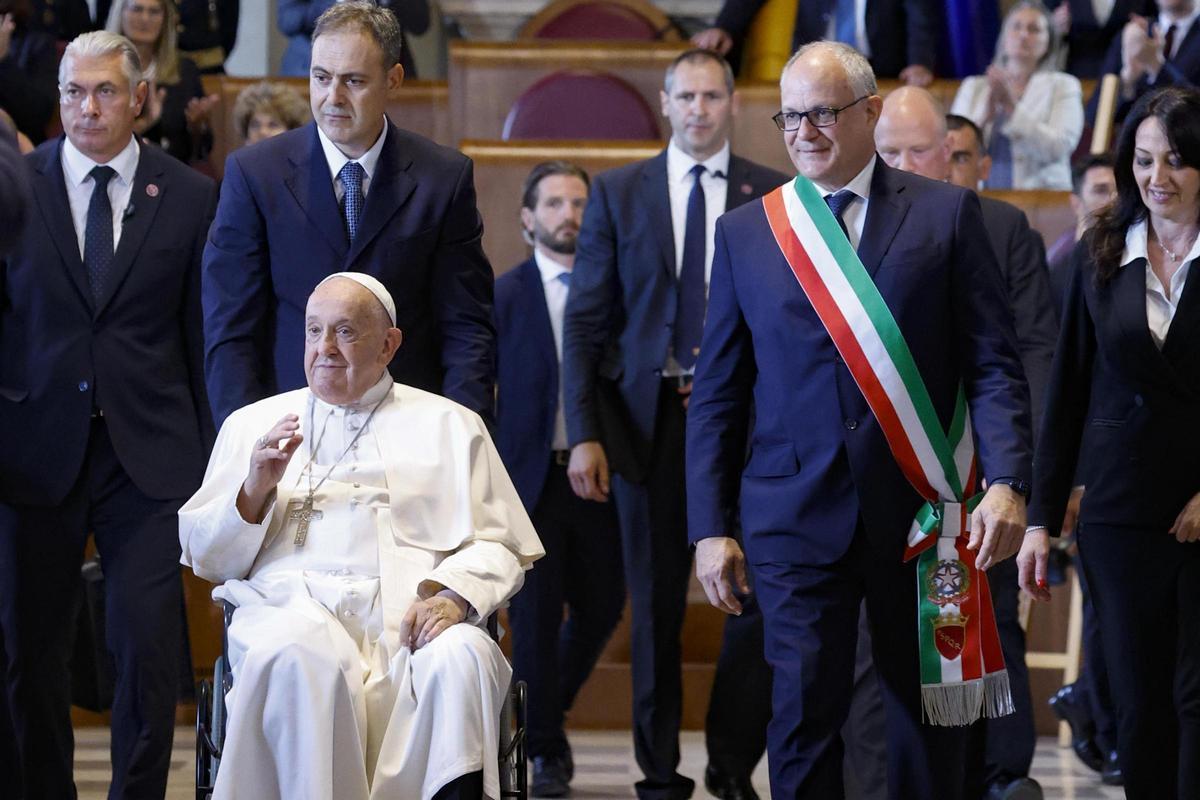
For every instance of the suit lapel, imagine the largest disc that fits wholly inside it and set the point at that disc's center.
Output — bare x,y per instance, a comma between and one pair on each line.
540,328
1128,289
1187,318
144,201
312,186
885,212
50,190
391,185
658,198
739,189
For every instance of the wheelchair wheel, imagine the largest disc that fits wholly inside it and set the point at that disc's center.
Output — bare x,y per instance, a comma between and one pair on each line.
204,705
513,765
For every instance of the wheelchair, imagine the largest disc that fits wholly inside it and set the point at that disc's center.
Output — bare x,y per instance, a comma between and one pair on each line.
211,718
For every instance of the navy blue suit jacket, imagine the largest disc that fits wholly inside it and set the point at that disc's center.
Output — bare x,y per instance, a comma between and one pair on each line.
1182,70
137,355
527,378
278,232
818,459
1118,408
622,305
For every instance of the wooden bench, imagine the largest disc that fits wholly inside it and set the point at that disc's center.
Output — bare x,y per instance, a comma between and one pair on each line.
421,107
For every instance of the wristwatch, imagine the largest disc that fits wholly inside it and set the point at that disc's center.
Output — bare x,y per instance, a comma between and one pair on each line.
1016,484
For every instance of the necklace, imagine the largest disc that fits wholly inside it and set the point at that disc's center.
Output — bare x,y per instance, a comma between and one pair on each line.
1167,252
305,513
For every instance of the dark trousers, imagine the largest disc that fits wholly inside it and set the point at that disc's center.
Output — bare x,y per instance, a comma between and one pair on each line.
581,568
811,617
1146,587
1092,683
658,561
1011,739
864,734
41,550
735,730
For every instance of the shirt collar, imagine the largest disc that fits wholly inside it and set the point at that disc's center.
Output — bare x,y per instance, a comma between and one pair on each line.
337,159
77,167
1137,245
1182,24
679,163
860,184
548,267
365,403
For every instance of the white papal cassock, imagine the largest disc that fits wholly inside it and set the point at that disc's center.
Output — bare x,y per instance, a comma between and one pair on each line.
326,703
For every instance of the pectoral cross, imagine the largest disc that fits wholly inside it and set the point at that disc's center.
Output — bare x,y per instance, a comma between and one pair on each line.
303,514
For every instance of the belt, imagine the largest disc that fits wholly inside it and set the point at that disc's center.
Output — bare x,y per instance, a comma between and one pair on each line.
561,457
677,381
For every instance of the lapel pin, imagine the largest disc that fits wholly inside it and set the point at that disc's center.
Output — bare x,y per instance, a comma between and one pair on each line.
747,188
152,189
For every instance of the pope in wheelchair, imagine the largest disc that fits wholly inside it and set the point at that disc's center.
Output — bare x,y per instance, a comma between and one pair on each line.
365,531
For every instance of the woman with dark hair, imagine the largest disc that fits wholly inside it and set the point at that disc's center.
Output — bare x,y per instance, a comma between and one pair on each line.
28,70
1124,399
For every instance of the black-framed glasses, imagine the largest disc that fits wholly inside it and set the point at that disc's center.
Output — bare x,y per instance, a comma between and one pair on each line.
819,117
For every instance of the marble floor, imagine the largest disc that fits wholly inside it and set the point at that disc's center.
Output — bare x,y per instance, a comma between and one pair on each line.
604,767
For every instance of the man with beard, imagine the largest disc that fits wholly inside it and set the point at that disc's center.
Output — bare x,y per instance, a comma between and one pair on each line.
631,334
583,564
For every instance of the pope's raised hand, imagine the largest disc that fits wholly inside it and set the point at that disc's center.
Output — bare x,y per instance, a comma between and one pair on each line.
269,458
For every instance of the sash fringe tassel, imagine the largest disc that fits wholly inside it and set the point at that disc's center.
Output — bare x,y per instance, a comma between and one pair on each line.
956,704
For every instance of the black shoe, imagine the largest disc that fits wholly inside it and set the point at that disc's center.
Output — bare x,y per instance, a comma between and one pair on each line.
728,787
1019,789
552,776
1067,706
1111,775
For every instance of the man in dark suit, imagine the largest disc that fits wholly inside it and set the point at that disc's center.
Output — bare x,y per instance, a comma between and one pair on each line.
1087,37
1093,187
825,508
582,565
1153,52
911,135
350,191
898,36
631,332
14,191
104,426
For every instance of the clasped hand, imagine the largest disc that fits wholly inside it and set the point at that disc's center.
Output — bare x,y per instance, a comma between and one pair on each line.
427,619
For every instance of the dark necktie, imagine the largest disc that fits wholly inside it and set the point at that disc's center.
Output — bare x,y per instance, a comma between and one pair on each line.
565,279
98,233
689,313
845,25
838,203
1168,43
351,176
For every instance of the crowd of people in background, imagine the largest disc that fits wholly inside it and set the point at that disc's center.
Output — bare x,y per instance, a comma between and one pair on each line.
663,388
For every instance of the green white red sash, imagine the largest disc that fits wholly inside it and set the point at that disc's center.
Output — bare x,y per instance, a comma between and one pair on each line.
962,670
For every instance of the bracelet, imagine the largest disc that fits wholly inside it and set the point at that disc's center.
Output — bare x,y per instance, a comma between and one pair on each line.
1035,529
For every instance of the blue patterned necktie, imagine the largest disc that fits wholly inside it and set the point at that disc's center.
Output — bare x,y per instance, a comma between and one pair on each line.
98,232
838,203
689,314
351,176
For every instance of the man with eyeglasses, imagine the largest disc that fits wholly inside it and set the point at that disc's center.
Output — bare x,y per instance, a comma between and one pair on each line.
851,307
631,332
104,423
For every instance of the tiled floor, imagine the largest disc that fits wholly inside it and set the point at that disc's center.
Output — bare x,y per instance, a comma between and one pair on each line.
604,767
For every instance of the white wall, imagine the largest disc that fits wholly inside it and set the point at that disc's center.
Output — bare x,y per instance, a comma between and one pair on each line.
260,45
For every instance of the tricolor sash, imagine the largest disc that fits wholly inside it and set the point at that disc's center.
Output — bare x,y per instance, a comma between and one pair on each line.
962,669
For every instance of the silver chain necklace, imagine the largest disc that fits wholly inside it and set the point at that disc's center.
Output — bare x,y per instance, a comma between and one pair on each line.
305,513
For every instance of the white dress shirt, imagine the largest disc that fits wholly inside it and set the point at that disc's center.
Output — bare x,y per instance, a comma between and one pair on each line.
855,215
1161,301
337,159
77,172
679,188
556,303
1182,26
1102,9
